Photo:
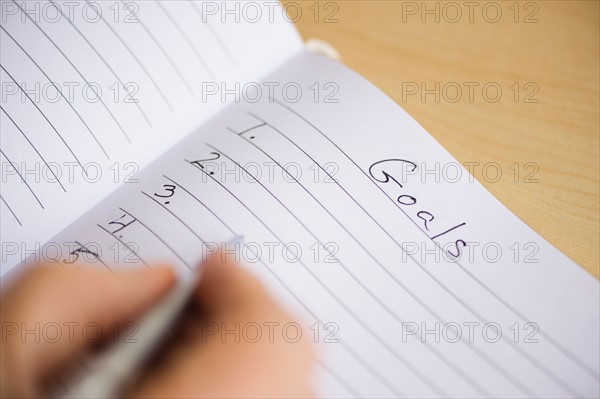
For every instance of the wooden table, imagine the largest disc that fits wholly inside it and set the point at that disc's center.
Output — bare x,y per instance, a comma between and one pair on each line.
541,131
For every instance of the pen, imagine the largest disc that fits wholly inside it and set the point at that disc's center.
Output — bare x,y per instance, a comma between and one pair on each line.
114,369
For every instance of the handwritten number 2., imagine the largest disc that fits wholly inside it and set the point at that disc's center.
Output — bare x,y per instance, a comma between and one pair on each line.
199,163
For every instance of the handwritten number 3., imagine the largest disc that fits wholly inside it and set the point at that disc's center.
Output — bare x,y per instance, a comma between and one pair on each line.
170,190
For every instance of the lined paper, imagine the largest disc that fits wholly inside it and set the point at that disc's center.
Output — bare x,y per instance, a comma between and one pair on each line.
342,227
92,95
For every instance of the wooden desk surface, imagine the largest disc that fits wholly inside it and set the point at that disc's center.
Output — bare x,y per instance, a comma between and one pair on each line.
546,126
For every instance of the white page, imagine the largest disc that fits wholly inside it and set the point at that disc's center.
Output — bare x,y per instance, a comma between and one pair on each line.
84,66
376,289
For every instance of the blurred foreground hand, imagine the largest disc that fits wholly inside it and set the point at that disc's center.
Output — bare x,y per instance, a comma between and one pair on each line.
47,316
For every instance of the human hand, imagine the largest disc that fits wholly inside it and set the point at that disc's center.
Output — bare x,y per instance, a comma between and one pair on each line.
197,362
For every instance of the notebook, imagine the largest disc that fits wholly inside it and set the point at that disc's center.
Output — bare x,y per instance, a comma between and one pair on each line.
144,132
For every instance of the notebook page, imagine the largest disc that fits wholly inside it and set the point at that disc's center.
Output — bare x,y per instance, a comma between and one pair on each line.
93,91
409,285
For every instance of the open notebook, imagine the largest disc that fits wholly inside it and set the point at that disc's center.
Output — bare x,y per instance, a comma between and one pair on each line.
413,282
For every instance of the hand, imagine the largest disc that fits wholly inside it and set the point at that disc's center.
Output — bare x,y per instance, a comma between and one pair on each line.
201,360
